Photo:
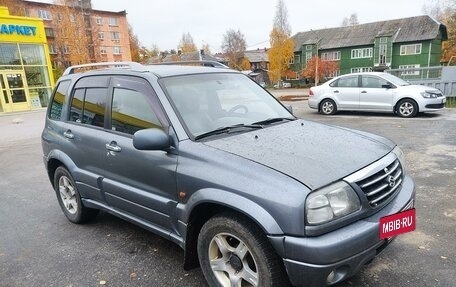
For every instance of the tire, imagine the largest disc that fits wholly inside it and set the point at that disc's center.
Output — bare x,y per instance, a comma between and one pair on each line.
407,108
70,199
232,249
328,107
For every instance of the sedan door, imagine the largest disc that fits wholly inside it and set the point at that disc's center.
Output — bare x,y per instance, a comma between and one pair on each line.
345,91
376,94
138,183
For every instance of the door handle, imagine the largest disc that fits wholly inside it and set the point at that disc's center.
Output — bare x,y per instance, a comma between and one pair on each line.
68,134
113,147
363,92
336,92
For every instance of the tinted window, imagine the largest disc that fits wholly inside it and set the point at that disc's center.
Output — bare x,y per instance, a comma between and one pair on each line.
55,111
347,82
88,106
132,111
373,82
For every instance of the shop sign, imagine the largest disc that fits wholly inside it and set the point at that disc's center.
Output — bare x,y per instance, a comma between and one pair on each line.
18,30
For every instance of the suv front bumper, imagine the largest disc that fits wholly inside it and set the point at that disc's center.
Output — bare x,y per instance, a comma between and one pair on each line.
337,255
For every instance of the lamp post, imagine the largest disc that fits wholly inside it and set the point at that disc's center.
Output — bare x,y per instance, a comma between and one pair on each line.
317,78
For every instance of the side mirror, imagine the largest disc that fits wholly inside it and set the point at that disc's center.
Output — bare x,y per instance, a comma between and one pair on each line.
151,139
289,108
387,86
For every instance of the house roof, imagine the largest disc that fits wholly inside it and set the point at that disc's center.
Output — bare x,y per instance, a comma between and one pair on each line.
401,30
255,56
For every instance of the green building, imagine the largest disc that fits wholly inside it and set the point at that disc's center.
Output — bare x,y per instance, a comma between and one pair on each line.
413,42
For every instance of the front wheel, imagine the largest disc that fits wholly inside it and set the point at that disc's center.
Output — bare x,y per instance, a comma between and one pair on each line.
407,108
234,252
328,107
69,197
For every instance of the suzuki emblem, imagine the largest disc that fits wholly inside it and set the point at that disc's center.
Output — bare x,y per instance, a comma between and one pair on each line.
391,181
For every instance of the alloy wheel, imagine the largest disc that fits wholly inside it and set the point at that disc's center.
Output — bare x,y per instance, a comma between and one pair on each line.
68,195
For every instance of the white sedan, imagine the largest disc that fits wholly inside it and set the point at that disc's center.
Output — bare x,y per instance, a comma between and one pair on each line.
376,92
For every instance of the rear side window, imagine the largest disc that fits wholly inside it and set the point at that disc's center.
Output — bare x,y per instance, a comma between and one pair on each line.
88,106
55,111
347,82
132,111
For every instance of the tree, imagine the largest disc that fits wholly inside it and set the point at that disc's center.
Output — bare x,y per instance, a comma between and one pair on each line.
234,46
350,21
282,46
445,12
186,43
325,68
135,45
71,41
15,7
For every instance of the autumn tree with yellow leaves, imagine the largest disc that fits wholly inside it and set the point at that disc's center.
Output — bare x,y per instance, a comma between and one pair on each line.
186,43
282,46
233,46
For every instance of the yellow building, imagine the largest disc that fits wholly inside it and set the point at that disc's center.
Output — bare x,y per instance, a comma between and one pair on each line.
25,69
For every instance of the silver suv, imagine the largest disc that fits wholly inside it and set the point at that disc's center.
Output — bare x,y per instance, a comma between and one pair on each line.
208,159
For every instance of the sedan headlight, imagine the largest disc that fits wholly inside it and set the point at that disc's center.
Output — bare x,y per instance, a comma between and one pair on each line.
429,95
331,202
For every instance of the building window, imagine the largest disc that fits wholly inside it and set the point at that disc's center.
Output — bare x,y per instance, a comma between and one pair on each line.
333,74
361,69
113,21
383,40
103,50
99,20
115,36
411,49
330,56
308,56
361,53
72,18
116,50
49,32
308,47
44,14
65,49
100,35
297,59
412,70
52,49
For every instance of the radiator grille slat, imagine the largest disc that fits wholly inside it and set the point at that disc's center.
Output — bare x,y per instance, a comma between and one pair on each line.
382,185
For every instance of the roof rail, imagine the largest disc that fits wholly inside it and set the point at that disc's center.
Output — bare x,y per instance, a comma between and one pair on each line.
122,65
205,63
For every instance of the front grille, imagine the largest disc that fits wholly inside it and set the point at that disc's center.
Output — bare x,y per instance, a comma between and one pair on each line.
382,185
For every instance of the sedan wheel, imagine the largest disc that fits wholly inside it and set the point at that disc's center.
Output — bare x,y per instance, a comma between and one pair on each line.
328,107
407,108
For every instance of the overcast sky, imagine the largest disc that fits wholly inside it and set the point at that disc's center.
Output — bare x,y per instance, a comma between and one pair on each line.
163,22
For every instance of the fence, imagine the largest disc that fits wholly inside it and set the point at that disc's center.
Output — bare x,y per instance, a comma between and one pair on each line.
442,78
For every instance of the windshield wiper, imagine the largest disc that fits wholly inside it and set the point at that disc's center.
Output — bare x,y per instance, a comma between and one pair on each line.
272,120
228,129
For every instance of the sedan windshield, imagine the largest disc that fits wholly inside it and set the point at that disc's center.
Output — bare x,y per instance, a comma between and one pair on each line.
209,102
395,80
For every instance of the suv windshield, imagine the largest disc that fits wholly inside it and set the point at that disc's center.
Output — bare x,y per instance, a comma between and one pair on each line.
207,102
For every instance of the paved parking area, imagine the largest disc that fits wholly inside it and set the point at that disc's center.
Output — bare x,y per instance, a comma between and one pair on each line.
39,247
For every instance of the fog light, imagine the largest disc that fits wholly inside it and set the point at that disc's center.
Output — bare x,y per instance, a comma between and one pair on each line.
331,277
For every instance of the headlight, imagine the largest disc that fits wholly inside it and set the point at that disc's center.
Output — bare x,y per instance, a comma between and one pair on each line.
331,202
400,156
429,95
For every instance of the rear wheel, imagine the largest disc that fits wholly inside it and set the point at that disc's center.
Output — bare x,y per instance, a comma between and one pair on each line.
70,199
407,108
328,107
234,252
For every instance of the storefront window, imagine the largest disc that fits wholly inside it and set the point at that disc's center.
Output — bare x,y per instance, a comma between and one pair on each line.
9,55
37,76
32,54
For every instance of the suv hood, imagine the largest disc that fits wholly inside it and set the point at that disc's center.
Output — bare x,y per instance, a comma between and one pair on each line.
312,153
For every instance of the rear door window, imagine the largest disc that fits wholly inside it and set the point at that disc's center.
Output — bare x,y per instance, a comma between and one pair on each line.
88,106
347,82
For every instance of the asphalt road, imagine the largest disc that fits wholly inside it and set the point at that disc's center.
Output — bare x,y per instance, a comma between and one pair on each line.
39,247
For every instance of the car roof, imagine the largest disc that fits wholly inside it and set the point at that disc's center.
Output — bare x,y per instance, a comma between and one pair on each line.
159,70
364,73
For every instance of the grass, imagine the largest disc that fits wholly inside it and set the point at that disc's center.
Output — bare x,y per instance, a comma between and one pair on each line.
451,102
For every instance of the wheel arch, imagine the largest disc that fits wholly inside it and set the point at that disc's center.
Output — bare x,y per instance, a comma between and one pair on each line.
406,98
54,160
195,215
